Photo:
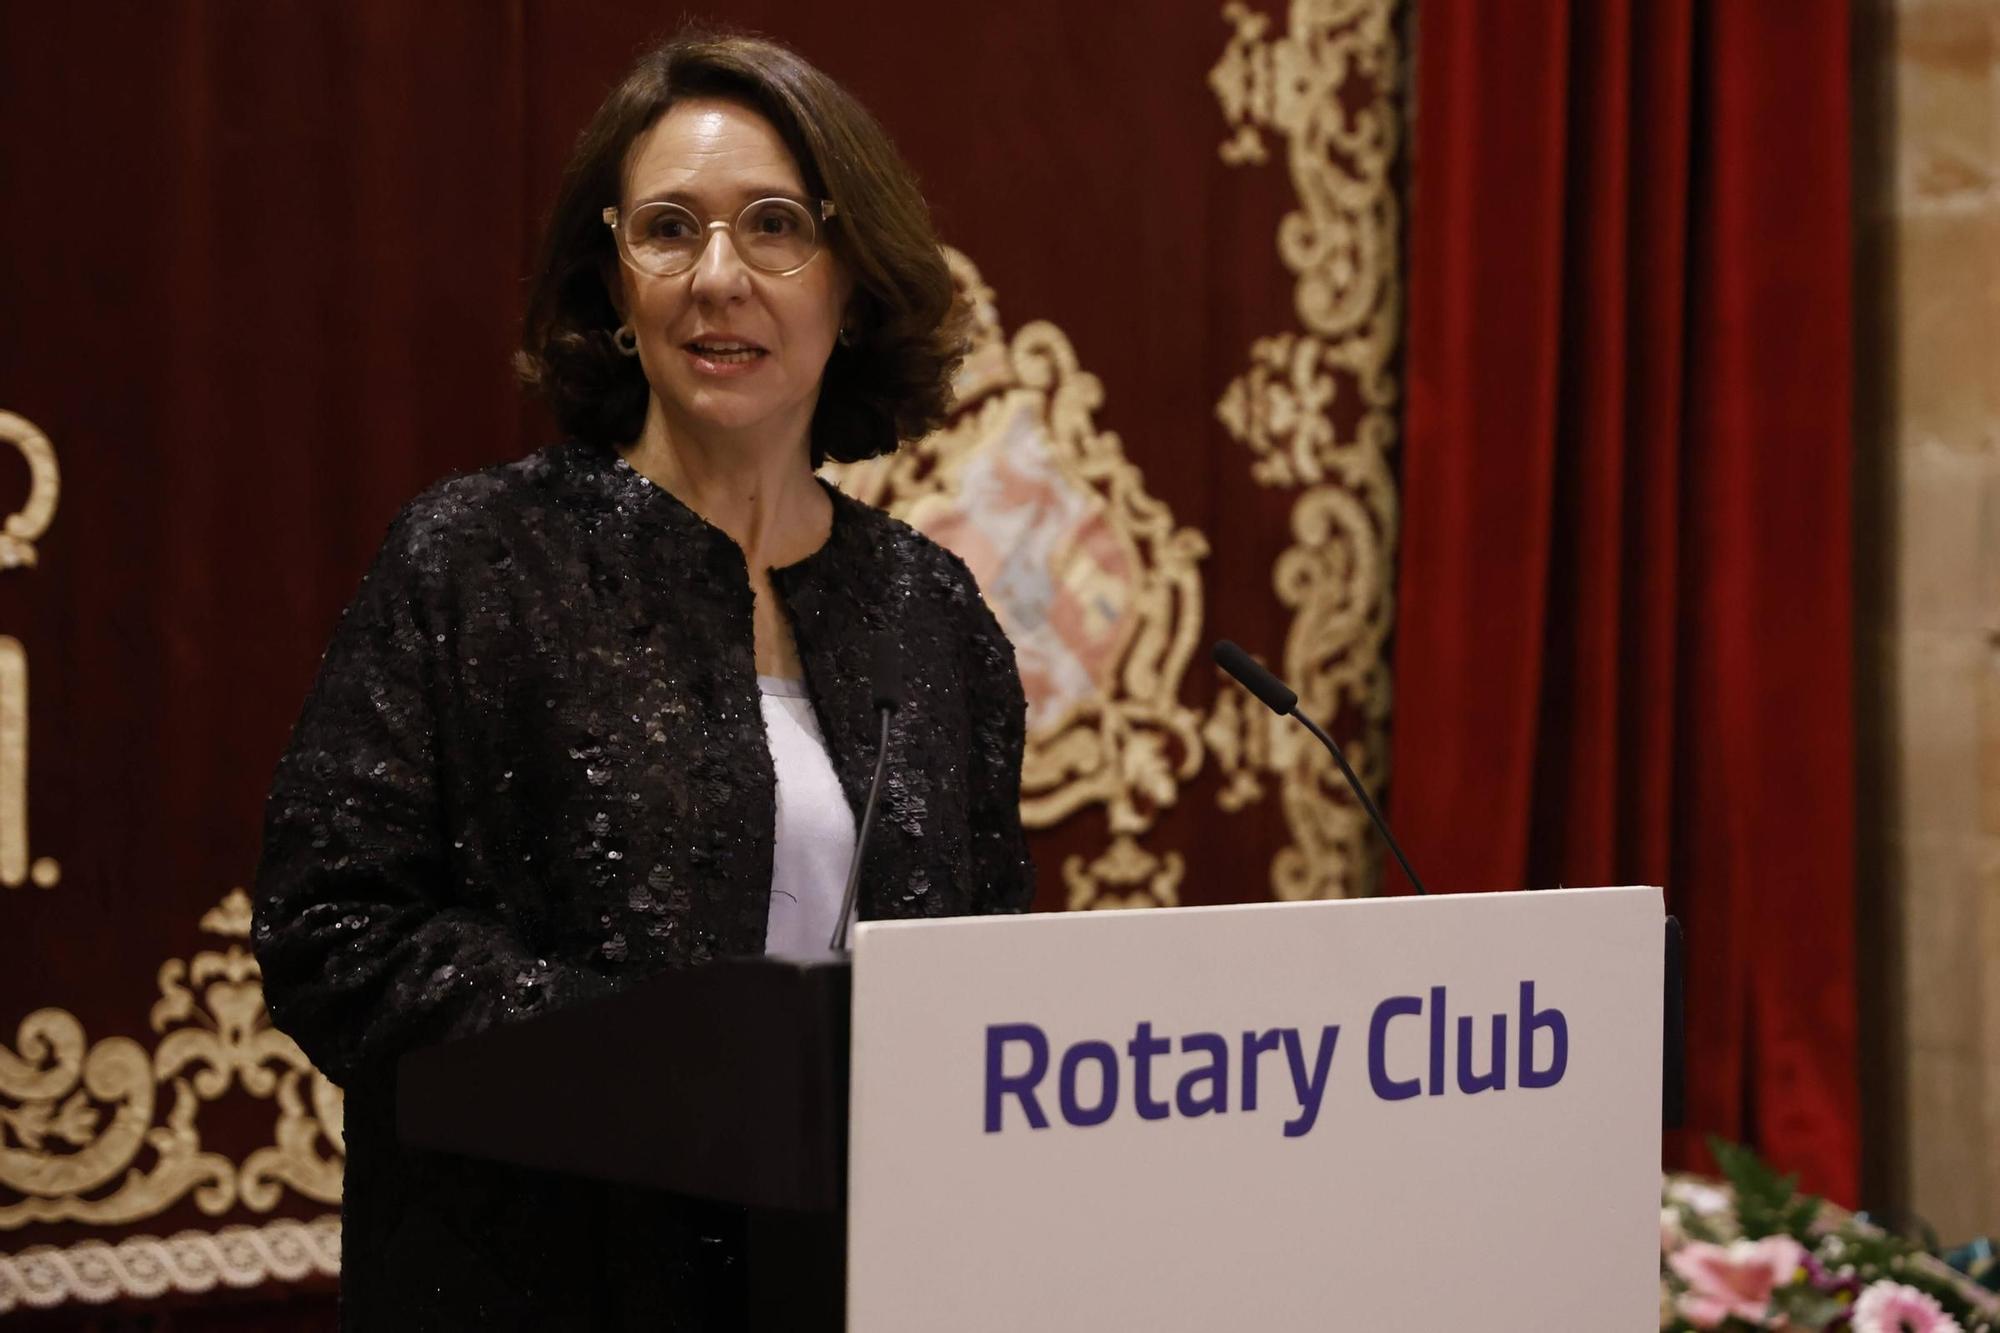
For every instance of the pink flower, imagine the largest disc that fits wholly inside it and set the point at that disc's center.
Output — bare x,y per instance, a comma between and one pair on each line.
1736,1279
1891,1307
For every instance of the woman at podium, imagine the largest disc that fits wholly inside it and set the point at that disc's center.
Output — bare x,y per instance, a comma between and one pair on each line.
607,709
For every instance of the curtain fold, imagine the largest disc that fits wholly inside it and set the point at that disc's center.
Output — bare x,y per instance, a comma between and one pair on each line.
1623,646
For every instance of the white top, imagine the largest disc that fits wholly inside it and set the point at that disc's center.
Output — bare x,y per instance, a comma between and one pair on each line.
815,838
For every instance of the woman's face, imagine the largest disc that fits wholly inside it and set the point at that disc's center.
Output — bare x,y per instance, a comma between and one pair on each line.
713,157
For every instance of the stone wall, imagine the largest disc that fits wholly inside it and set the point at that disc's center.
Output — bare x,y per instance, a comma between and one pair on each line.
1927,117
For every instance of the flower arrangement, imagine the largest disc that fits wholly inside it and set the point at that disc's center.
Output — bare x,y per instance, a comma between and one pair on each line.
1757,1254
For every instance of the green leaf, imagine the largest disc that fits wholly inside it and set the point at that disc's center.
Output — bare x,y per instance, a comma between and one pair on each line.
1767,1204
1804,1307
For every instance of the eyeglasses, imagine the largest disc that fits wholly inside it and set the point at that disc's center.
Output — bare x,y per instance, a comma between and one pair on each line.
776,236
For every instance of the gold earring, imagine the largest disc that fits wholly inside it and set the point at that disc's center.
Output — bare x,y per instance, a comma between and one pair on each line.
627,341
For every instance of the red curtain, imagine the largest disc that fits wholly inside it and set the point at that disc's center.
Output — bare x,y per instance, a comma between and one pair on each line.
1624,606
260,277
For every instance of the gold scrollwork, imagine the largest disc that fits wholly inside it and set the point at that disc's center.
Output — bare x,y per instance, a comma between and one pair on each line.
21,530
1327,89
1095,583
15,869
144,1267
18,535
1124,875
76,1118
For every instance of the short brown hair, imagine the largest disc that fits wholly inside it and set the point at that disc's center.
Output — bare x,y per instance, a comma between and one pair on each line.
893,382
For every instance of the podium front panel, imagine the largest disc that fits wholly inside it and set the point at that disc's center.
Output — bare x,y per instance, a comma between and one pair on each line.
1385,1113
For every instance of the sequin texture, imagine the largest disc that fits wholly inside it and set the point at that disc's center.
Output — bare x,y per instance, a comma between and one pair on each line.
533,769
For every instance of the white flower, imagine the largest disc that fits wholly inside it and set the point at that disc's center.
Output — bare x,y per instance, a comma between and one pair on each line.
1702,1200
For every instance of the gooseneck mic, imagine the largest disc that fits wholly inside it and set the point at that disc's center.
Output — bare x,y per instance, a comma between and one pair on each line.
885,675
1280,699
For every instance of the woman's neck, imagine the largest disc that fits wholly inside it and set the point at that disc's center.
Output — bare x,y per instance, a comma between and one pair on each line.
761,493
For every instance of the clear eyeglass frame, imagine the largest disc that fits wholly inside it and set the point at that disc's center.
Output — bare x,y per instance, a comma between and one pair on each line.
705,231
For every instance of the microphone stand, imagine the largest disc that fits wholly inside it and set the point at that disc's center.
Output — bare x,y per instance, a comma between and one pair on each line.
839,941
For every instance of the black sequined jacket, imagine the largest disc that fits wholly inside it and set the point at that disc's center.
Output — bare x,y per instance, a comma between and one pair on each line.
533,768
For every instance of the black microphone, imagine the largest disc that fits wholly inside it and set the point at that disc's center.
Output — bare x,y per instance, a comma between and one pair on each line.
1280,699
885,676
885,673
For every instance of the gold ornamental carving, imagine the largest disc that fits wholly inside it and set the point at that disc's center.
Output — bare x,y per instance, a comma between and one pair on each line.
1124,875
189,1262
107,1133
1325,90
1095,583
23,528
18,534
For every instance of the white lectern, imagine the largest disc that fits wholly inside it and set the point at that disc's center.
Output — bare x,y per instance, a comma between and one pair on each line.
1410,1114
